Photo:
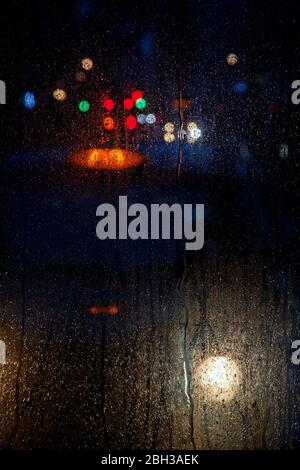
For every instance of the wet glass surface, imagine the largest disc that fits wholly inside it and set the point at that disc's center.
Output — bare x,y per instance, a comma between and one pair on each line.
141,344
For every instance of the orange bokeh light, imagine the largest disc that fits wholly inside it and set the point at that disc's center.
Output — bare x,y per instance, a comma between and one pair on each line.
108,123
107,159
105,310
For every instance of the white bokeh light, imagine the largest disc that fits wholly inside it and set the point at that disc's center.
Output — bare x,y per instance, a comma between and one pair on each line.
150,119
195,133
219,378
141,118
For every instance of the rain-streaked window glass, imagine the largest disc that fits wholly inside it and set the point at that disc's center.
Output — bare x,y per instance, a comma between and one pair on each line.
149,263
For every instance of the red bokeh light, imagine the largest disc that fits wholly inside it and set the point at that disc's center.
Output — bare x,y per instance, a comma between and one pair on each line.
109,104
130,122
128,103
136,94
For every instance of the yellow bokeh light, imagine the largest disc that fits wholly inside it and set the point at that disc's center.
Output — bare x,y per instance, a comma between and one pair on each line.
191,126
169,137
59,94
169,127
87,64
191,140
118,156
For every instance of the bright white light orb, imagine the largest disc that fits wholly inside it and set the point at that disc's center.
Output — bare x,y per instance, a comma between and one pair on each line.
87,64
219,378
191,126
169,127
169,137
141,118
150,119
59,94
232,59
195,133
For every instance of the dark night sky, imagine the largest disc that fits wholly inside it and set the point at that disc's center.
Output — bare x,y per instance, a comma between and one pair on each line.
148,44
42,40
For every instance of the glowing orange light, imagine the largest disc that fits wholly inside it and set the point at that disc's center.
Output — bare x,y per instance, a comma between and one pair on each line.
136,95
59,94
108,310
108,104
108,123
80,76
128,103
107,159
130,122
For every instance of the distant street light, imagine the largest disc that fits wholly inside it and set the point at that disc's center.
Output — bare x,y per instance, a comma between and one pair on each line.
219,378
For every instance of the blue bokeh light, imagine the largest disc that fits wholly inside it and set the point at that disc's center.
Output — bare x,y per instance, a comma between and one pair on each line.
147,44
29,100
240,87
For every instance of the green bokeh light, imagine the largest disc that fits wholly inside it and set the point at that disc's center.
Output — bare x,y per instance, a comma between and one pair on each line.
84,106
141,103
